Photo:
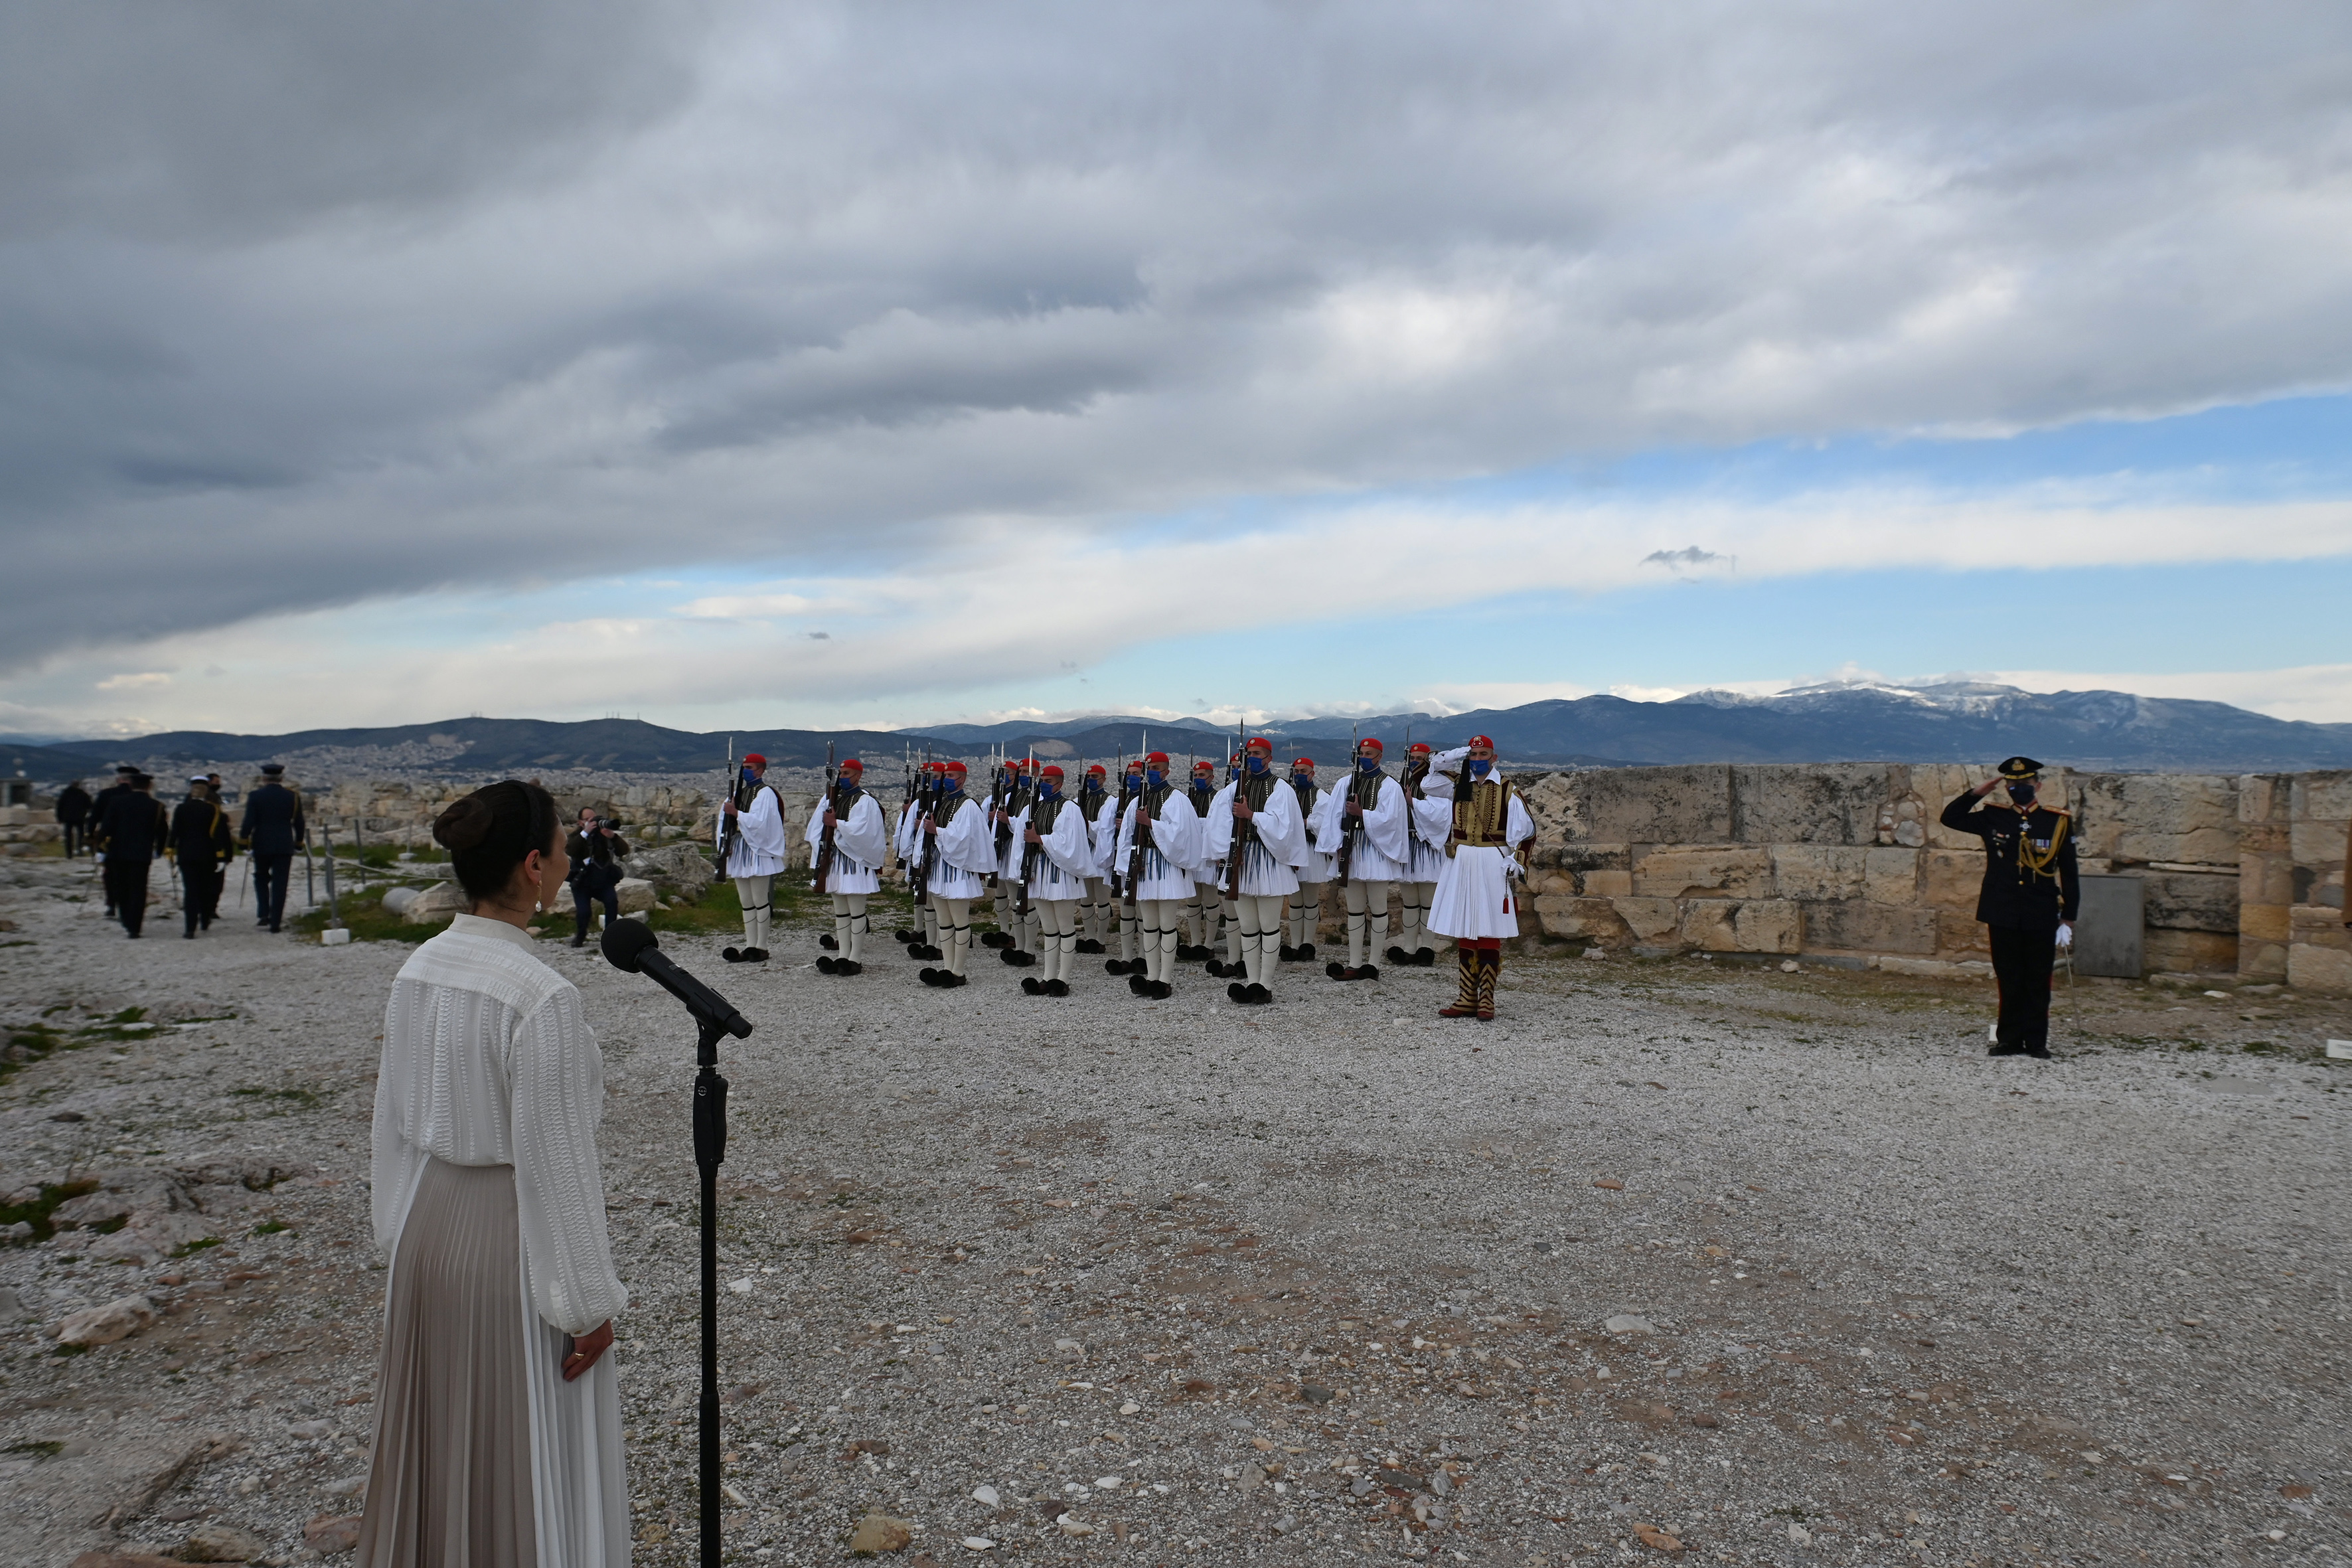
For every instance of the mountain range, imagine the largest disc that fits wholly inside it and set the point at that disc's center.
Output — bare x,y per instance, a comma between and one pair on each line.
1952,720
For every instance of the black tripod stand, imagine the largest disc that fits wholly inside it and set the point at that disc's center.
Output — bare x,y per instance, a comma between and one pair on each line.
629,944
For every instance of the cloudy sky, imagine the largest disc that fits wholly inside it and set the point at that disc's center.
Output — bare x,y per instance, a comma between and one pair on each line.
888,363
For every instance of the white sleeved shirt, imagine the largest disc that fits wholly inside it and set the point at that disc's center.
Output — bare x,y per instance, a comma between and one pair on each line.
1172,860
1066,855
1272,868
487,1060
861,842
1477,892
967,850
759,840
1316,867
1379,850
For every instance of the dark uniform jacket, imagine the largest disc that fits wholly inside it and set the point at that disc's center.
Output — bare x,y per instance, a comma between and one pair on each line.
2015,894
73,806
200,835
101,800
135,827
595,858
273,821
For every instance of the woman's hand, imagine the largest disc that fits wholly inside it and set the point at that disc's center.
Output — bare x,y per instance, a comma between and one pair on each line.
586,1348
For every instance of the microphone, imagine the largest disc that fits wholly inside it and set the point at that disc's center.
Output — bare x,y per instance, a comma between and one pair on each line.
631,945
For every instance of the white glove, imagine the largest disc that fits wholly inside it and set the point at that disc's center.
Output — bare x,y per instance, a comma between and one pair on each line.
2066,935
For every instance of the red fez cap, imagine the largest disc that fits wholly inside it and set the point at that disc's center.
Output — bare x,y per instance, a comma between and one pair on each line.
935,767
1156,760
852,766
1260,743
1302,762
1204,766
1373,741
1099,768
1418,749
1484,740
753,759
953,766
1051,773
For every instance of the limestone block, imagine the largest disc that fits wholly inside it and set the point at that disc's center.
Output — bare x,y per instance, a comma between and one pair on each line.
1594,857
437,903
2265,798
2264,838
1647,918
1608,884
1858,925
2162,817
2184,900
1824,803
1818,871
1707,924
2318,841
2261,922
1952,876
1654,805
634,895
2325,796
1769,925
1937,784
2316,925
683,868
1596,919
1725,871
1891,876
2265,880
2191,952
1552,884
2262,961
2319,969
1957,931
1931,968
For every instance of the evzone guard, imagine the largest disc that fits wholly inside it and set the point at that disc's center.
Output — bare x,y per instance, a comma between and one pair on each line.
961,857
1057,858
1297,945
1255,831
1204,910
1093,801
1365,822
1131,960
1016,926
1425,859
922,939
851,841
751,851
1159,847
1485,825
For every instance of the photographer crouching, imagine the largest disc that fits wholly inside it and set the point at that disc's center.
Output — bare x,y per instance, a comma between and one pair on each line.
596,853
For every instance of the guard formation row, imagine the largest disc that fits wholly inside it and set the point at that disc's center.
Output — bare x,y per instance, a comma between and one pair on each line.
1238,866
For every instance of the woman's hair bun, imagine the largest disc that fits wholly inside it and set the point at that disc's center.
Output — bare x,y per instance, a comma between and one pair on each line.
464,824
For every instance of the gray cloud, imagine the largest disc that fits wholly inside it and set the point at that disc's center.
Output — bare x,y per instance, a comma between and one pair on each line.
298,307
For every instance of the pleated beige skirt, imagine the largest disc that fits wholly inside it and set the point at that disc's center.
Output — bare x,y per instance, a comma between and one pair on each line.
451,1483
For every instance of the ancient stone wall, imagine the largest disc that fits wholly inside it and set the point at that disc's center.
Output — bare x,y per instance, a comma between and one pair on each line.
2292,835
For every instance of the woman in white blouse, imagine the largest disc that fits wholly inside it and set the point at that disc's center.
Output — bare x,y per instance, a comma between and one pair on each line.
497,1438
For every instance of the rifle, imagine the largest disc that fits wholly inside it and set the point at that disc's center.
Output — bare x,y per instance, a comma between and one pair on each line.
1347,849
1236,849
935,791
1135,850
1029,852
824,839
727,824
1118,815
1000,791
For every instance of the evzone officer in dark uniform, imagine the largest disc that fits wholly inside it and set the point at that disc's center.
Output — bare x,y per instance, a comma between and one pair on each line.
73,816
123,774
272,830
2030,898
132,836
1487,833
203,845
596,852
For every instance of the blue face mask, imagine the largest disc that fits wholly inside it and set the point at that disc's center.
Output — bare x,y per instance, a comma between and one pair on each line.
951,784
1151,777
1478,769
1369,764
1257,765
1298,778
2023,794
1047,789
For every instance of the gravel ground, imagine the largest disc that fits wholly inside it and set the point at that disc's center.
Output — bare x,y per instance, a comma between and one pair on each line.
1323,1281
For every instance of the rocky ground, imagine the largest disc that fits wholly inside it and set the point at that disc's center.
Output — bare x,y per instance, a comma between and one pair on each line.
1742,1266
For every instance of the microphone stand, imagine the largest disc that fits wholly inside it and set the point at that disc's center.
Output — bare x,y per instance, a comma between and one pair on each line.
709,1149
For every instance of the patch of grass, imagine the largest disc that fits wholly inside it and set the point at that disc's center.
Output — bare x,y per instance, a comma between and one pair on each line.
26,1044
36,1212
70,1350
366,919
43,1451
191,1248
271,1227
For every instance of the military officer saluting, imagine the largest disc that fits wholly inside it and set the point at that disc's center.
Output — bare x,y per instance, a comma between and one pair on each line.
2029,899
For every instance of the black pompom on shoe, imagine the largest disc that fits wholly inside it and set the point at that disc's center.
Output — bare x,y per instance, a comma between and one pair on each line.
1032,986
907,934
1397,956
1286,953
928,975
1259,993
1336,970
1018,959
828,943
732,954
1088,944
1057,988
1237,992
1115,966
1370,971
825,965
1162,990
1139,986
1306,953
996,939
847,966
1425,957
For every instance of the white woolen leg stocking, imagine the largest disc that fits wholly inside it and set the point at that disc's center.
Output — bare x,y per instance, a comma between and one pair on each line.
854,948
955,923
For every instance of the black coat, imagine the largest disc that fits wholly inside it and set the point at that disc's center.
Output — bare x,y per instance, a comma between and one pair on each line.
273,820
73,806
2015,895
595,858
135,828
200,835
